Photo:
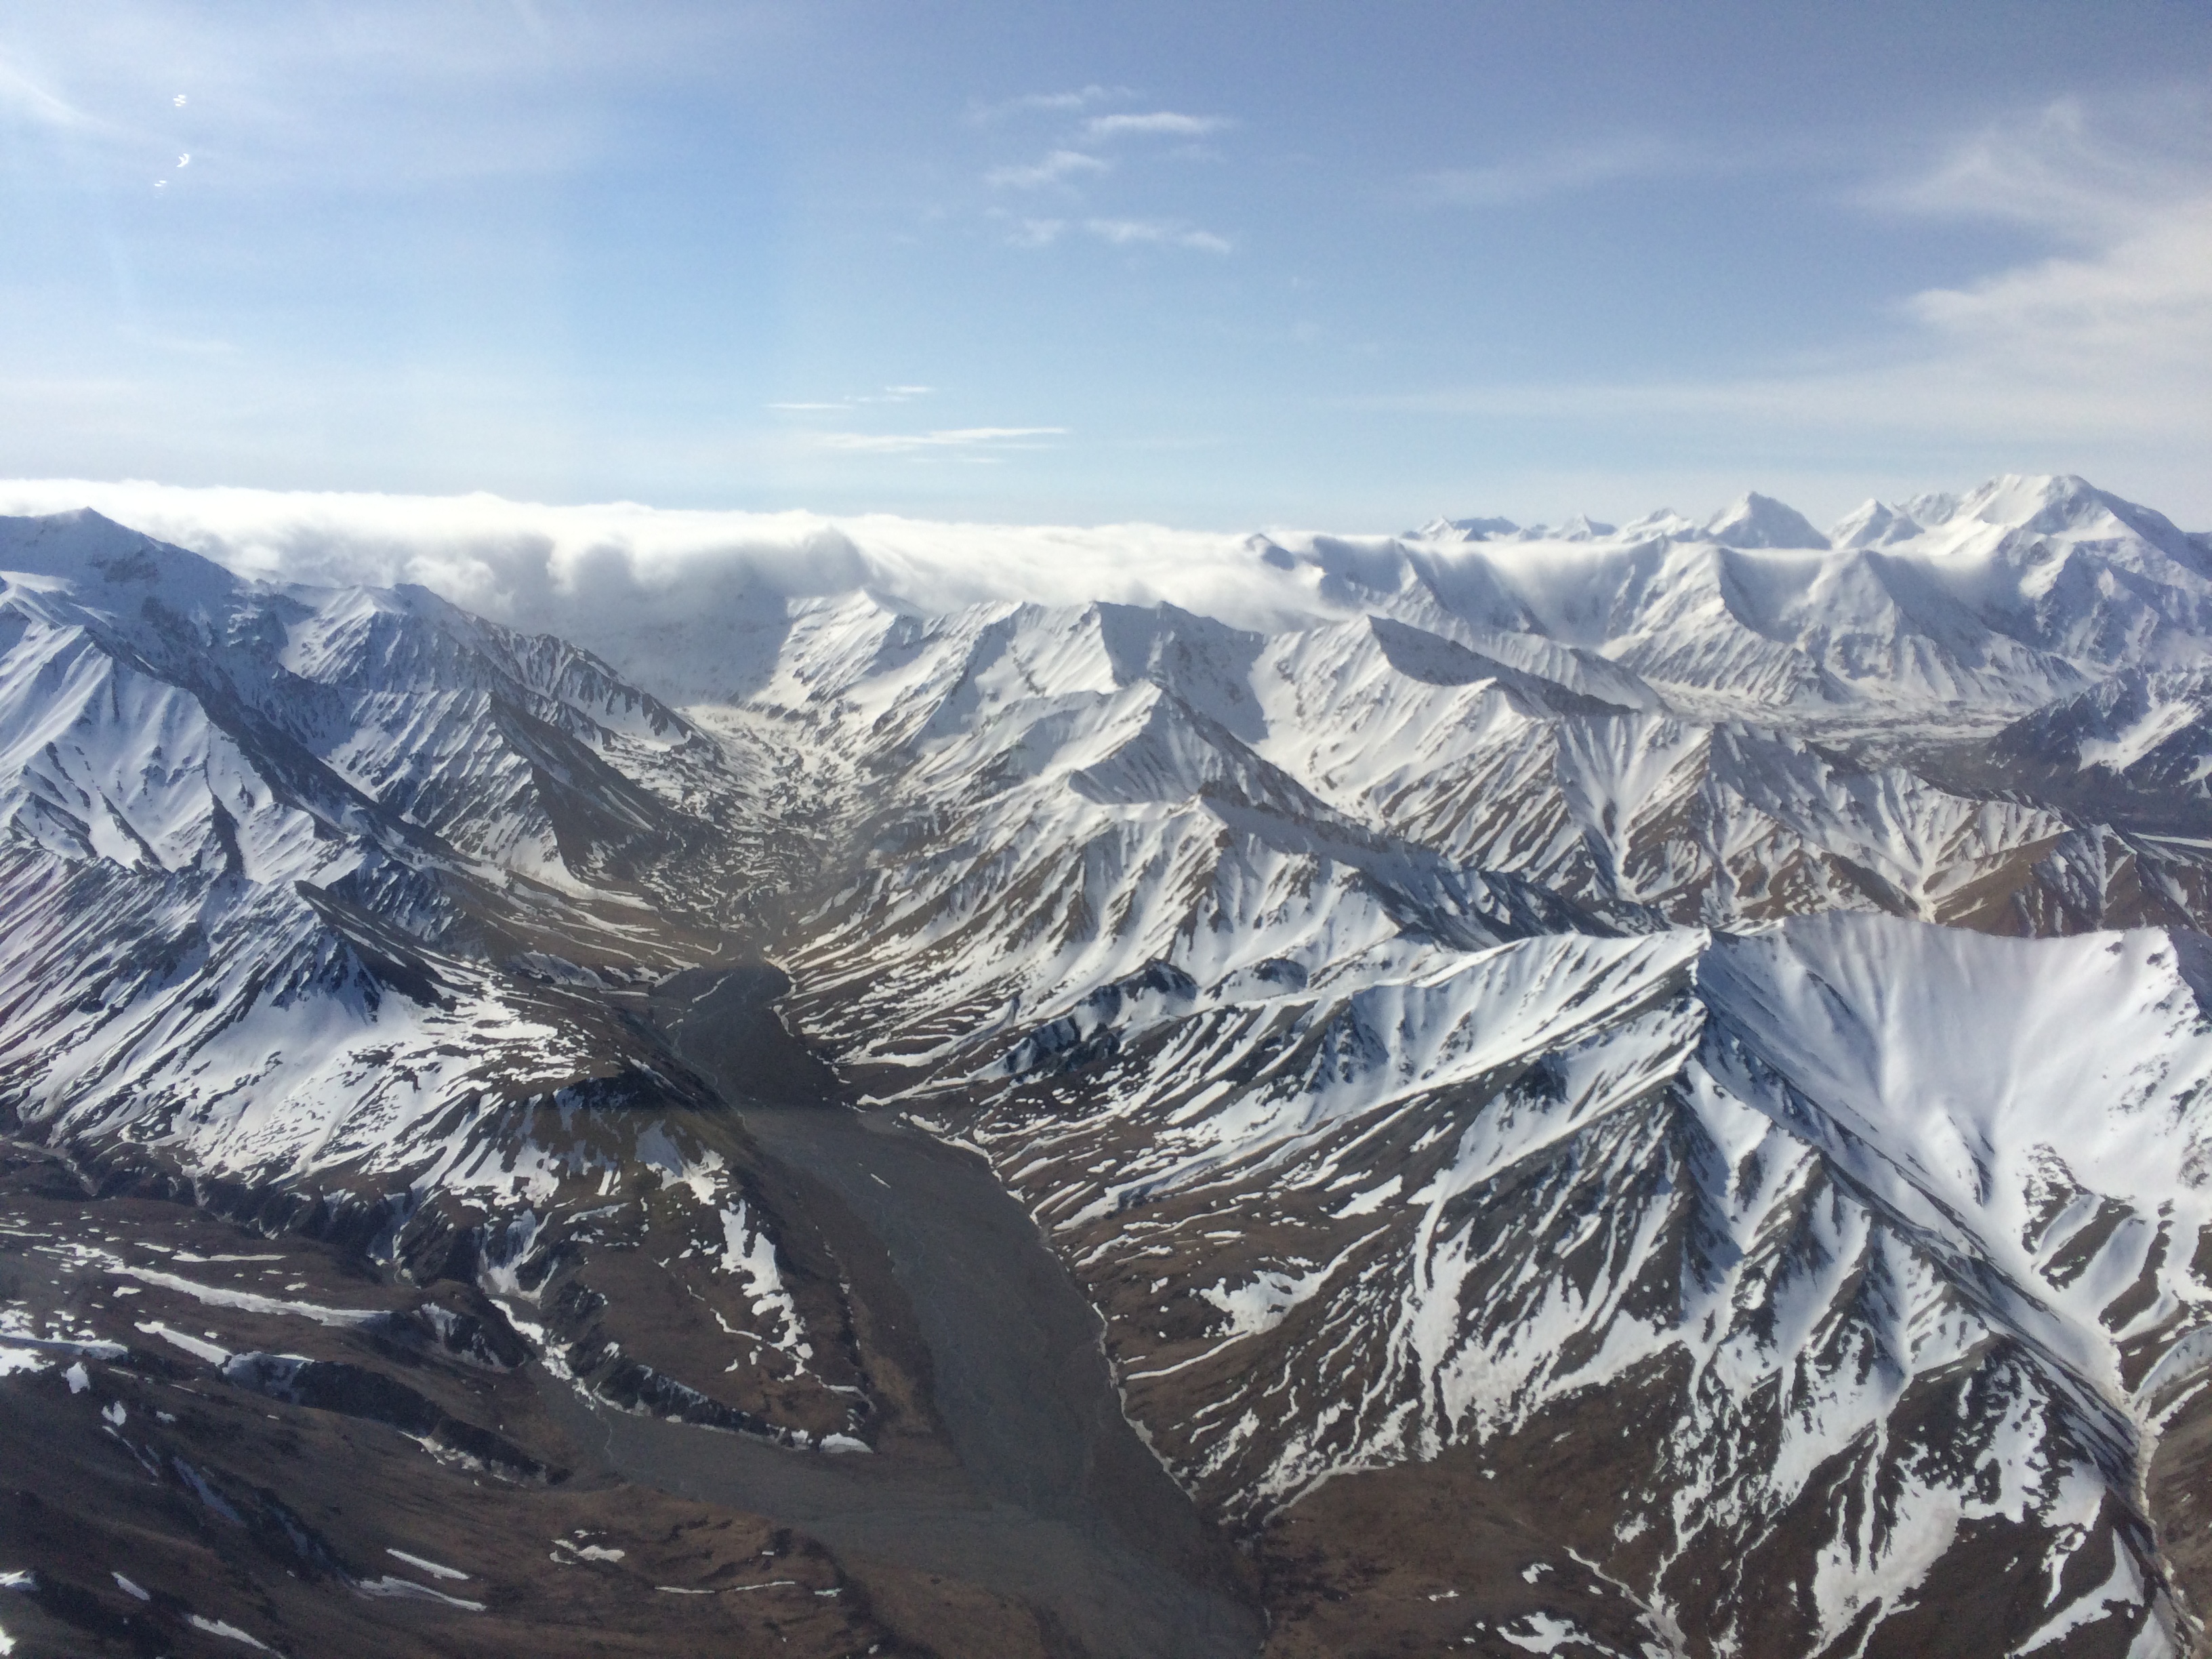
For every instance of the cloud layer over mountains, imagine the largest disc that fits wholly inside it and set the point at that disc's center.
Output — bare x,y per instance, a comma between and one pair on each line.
561,568
667,594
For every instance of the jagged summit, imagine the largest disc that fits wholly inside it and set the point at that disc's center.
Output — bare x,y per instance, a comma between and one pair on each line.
1677,1049
1873,524
1661,523
1465,530
1579,528
110,564
1757,520
2032,504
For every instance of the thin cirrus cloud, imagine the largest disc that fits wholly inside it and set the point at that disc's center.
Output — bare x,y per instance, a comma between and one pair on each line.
2128,306
1556,173
1066,170
2143,301
25,100
1120,232
2058,169
890,394
2099,349
1123,232
1059,167
968,439
2131,307
1158,123
1048,103
2106,339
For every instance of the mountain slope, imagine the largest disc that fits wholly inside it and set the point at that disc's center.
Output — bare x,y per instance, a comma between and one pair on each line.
324,900
1641,1088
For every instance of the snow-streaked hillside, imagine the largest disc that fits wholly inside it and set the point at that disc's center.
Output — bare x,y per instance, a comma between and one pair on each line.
2004,596
321,899
1708,1015
1892,1278
1362,1161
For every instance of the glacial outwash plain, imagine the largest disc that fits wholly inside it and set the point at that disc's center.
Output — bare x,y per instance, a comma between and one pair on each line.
1637,1090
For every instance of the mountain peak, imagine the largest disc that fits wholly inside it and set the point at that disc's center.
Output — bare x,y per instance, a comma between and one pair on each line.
1758,521
97,555
1873,524
2068,507
1440,529
1661,521
2042,502
1580,528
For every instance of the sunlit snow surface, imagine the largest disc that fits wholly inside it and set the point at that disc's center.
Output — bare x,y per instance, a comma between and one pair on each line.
200,779
1241,955
1475,974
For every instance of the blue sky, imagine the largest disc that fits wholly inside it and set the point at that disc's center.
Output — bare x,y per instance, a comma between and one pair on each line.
1218,265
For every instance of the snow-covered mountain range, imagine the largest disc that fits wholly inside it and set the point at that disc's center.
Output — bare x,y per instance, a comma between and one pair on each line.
1679,1050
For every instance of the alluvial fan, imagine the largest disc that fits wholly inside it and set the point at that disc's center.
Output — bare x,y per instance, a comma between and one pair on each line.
1633,1091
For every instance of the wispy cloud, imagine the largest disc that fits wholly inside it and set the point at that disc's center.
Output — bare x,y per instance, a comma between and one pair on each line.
1058,167
958,438
2145,300
331,100
1118,232
25,100
183,345
1068,170
1160,123
2132,303
2107,343
890,394
2056,168
1048,103
1123,232
1555,172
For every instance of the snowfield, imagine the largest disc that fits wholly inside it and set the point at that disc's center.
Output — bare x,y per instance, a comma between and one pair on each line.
1710,1015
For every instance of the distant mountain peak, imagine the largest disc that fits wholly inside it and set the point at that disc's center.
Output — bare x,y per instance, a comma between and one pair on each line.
1440,529
1580,528
1873,524
110,564
1659,521
1582,1016
1757,520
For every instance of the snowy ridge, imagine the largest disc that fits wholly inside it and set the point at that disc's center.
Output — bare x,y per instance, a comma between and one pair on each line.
1476,1200
2009,595
1207,936
1700,1013
322,904
229,916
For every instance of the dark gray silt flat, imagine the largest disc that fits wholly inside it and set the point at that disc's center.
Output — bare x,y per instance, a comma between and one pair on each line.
1055,1500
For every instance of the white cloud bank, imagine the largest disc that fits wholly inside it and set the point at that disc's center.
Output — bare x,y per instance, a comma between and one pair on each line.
678,601
691,603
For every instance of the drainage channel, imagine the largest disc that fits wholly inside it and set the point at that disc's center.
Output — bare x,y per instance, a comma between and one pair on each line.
1054,1500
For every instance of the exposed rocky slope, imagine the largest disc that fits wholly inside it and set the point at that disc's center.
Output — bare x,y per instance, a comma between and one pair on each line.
1672,1055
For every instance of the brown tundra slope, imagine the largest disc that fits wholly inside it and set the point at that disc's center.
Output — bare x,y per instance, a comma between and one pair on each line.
1637,1092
